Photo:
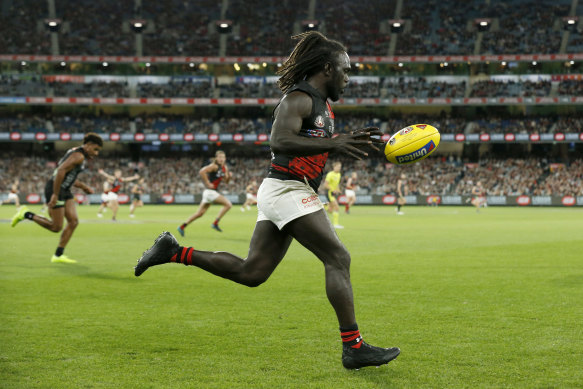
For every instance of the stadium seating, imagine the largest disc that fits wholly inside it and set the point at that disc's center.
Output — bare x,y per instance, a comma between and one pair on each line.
182,28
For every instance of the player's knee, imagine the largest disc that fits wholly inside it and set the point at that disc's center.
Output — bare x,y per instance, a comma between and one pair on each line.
340,261
254,279
56,227
73,223
228,205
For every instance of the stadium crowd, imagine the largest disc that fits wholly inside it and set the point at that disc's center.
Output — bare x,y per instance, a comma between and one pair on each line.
177,124
208,87
437,175
175,27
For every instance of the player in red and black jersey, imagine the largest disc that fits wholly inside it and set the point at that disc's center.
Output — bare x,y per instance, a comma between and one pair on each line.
350,191
60,199
212,175
288,206
111,190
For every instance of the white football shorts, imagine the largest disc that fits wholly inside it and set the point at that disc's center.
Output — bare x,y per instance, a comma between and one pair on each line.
281,201
209,195
350,193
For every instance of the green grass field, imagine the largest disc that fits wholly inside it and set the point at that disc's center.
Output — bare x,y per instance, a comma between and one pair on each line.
473,300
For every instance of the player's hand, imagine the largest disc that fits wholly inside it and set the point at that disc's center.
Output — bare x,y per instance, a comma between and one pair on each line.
53,201
351,144
373,134
88,190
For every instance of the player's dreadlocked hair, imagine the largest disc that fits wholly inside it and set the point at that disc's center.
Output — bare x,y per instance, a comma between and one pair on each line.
309,56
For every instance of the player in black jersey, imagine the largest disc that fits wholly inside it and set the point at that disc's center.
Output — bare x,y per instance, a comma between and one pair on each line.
137,192
288,206
60,200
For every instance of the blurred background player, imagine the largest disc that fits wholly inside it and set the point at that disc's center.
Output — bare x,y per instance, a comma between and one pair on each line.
479,194
288,205
111,188
212,175
13,194
137,192
350,191
402,191
251,196
332,186
60,201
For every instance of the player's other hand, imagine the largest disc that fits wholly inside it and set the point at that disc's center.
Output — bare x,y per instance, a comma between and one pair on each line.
53,201
88,190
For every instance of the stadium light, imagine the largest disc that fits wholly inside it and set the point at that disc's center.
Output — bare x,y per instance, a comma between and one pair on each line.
224,26
105,64
310,25
137,25
570,23
396,25
483,24
53,24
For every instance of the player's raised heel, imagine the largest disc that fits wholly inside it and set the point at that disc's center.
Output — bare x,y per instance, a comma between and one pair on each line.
164,247
367,355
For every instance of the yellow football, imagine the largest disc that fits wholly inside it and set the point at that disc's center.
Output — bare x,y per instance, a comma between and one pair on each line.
412,144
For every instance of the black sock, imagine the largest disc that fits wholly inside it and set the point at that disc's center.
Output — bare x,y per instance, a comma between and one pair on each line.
28,215
351,336
60,251
399,208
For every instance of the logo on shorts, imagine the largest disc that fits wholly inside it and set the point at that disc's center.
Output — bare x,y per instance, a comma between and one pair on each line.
311,201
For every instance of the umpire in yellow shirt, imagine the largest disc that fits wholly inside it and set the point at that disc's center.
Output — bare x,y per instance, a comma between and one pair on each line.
332,185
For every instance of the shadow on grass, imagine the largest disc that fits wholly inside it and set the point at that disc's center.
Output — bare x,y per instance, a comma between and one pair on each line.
86,271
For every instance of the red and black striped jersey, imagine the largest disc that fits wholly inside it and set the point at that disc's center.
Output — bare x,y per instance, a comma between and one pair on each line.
116,185
319,124
215,178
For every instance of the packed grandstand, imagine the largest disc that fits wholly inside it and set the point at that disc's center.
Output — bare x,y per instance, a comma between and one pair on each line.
167,83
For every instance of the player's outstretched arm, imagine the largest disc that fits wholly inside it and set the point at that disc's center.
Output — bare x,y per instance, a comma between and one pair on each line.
84,187
104,174
130,178
285,136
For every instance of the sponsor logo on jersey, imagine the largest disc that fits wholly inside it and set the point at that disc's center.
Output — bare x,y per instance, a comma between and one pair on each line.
317,133
417,154
319,122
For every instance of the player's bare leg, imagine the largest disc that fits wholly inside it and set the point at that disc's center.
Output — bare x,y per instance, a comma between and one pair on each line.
226,206
72,223
266,250
315,232
114,205
202,208
55,223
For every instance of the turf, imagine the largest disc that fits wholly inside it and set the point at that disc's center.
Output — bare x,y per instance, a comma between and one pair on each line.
473,300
